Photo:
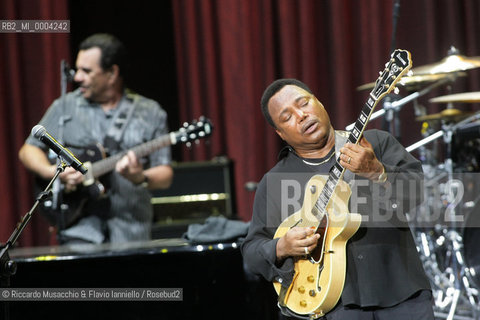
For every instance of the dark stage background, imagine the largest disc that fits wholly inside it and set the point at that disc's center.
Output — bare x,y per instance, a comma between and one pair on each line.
214,58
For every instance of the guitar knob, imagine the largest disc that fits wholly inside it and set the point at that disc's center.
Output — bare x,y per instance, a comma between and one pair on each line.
301,289
303,303
310,279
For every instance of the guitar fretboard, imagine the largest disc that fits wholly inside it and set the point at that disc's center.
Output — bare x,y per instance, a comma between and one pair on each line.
106,165
337,170
399,63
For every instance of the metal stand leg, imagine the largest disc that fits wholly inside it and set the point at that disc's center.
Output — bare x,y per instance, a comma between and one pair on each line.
441,247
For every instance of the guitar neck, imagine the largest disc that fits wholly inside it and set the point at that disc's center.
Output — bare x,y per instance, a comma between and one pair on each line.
399,63
106,165
337,170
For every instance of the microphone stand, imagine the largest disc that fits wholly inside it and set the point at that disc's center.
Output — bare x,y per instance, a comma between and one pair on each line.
57,199
391,122
9,267
396,13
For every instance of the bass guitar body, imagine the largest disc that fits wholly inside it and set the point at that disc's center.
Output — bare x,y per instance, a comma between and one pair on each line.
71,204
319,276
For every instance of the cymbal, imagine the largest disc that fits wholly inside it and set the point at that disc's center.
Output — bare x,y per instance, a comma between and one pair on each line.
452,63
466,97
410,81
447,114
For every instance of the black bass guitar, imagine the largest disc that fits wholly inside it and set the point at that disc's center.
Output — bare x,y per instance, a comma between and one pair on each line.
98,164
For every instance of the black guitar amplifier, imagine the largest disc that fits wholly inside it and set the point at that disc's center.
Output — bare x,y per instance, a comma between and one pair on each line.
199,190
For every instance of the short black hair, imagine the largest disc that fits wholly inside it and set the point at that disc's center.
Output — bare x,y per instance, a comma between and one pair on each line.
272,89
113,51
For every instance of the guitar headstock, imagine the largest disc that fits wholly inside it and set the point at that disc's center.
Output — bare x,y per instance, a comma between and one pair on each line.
398,65
193,131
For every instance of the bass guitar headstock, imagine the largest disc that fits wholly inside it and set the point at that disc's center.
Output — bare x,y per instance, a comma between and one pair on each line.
197,129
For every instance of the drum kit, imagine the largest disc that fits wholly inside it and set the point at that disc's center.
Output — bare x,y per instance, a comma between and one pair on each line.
446,226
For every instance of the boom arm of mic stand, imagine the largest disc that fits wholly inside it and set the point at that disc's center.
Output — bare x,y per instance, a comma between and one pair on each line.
396,105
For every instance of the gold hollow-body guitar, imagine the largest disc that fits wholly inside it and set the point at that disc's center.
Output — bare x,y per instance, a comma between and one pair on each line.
320,276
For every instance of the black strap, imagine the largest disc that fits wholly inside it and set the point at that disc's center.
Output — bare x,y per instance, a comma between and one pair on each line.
119,122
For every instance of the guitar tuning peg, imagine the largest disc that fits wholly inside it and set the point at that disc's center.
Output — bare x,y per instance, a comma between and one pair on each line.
185,124
395,90
188,144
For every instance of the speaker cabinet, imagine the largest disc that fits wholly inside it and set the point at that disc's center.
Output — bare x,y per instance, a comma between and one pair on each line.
199,189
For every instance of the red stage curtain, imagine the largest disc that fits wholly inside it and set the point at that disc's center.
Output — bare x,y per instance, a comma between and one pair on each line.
227,52
29,81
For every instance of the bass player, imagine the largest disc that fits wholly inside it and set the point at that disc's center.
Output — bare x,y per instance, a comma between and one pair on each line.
102,111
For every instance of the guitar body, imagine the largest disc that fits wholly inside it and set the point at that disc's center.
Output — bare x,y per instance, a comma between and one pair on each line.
319,278
73,202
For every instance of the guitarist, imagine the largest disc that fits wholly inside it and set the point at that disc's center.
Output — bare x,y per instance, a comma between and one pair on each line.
385,279
101,107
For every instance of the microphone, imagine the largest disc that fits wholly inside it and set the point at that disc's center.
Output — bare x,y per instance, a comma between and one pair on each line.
41,134
67,72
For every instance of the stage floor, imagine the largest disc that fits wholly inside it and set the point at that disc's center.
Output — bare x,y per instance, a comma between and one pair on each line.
212,277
